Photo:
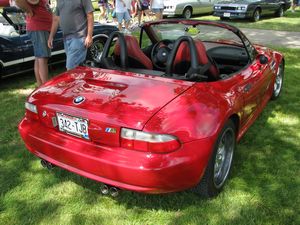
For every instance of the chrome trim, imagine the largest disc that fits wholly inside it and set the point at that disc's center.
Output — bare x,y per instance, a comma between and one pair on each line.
27,59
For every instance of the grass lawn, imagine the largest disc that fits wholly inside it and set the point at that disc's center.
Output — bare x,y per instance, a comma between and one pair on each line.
264,186
290,22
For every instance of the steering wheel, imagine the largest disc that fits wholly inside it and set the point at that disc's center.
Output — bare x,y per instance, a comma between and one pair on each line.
160,53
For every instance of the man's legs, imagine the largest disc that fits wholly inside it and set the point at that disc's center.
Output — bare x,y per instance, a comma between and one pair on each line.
41,70
42,54
76,52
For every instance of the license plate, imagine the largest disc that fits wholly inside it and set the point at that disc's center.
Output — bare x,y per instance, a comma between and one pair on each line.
226,15
73,125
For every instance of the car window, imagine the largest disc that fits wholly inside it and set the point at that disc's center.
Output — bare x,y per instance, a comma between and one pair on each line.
202,32
16,17
3,20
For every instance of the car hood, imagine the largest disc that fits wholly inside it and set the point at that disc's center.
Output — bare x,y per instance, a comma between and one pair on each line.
117,98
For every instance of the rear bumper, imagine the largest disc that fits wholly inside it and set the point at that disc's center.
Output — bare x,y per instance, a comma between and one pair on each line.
126,169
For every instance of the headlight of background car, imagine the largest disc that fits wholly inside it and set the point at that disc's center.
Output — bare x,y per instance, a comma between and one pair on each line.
217,7
242,8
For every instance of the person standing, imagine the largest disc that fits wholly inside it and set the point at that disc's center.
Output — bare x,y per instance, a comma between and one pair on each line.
294,5
157,7
103,6
143,9
38,26
122,14
76,19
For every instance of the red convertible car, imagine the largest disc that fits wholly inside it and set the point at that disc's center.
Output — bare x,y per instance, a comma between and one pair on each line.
160,111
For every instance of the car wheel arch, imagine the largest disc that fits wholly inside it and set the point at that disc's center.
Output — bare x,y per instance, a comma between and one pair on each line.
95,38
259,10
280,11
206,188
276,93
187,7
1,70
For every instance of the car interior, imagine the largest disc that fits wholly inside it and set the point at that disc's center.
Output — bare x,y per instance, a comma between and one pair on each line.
184,58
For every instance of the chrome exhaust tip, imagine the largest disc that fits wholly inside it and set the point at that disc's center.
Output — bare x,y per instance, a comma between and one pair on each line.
47,165
114,191
50,166
104,189
44,163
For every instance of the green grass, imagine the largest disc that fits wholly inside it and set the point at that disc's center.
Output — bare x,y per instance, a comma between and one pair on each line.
264,186
290,22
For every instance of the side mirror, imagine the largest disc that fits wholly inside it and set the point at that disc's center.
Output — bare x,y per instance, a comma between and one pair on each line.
263,59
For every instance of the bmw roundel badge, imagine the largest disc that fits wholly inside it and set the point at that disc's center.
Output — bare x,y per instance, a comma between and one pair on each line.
78,100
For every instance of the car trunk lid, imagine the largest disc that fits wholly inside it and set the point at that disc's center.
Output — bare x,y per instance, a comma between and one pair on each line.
111,100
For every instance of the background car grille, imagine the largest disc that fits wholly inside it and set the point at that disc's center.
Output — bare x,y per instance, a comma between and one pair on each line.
227,8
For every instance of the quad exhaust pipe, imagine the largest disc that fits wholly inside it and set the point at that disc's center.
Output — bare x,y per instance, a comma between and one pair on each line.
106,189
47,164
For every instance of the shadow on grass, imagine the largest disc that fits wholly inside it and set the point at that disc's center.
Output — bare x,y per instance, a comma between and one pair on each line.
260,181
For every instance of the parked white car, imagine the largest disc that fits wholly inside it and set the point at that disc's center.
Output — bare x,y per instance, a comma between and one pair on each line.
187,8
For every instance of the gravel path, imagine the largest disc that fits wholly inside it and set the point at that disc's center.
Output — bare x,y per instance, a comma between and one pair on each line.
273,38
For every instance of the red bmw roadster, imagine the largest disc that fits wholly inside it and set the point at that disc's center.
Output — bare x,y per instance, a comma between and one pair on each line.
160,111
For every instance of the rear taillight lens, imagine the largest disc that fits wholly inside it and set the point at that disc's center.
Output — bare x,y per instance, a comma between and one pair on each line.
31,107
148,142
32,111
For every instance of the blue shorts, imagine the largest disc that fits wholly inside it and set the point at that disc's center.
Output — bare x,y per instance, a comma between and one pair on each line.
157,10
39,41
125,15
75,51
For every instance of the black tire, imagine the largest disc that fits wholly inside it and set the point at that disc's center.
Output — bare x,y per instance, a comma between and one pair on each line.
95,51
256,15
278,81
219,165
279,12
187,13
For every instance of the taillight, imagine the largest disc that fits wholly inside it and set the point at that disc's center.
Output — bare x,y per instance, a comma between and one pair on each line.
32,111
148,142
31,107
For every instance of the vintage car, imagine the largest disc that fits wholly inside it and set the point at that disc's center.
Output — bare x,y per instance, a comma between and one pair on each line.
16,50
187,9
159,115
250,9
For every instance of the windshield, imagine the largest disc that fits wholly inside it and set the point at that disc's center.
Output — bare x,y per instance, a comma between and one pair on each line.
207,33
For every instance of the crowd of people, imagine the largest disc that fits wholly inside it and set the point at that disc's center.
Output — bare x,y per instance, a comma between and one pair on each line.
123,12
42,24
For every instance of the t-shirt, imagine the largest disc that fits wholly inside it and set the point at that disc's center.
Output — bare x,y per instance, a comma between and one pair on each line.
144,3
42,17
120,8
157,4
128,4
73,16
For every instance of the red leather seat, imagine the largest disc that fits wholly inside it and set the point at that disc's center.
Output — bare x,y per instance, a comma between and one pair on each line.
136,57
183,58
